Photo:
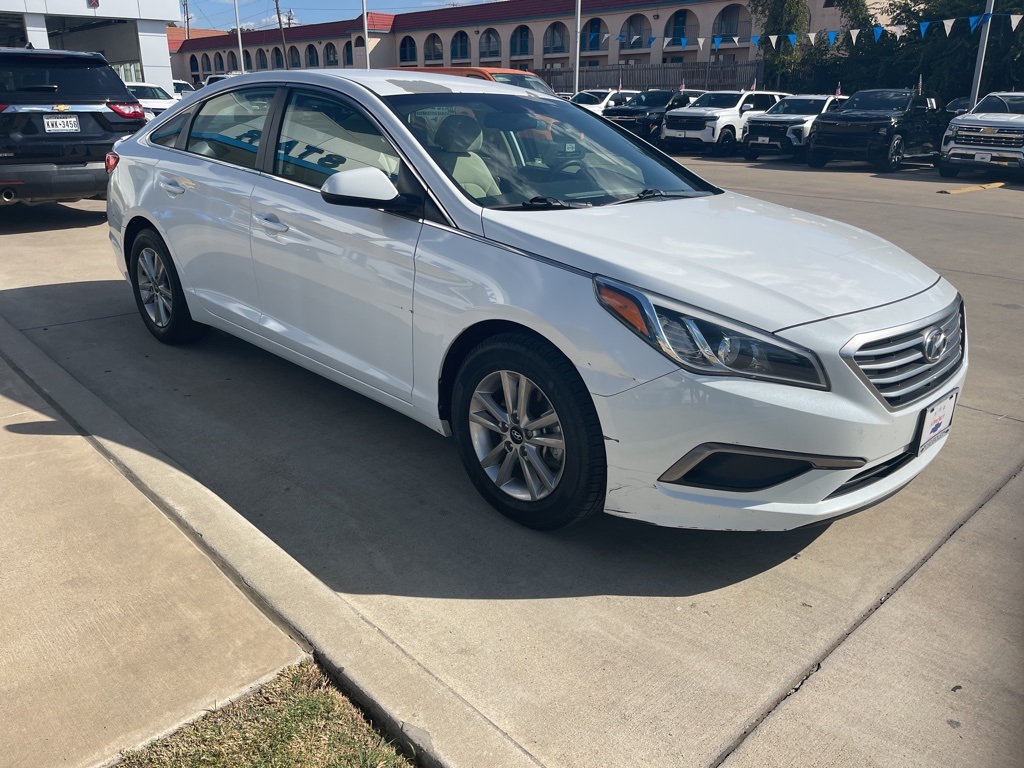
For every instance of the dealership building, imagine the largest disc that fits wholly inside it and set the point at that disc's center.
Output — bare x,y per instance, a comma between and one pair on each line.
131,34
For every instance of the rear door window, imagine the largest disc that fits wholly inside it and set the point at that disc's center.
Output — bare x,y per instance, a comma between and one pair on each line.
167,133
229,127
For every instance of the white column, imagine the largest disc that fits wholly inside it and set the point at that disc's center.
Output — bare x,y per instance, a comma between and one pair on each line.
156,61
35,30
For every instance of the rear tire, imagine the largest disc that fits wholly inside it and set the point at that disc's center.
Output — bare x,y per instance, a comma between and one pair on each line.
158,293
527,433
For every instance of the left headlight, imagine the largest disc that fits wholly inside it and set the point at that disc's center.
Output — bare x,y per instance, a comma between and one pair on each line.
707,344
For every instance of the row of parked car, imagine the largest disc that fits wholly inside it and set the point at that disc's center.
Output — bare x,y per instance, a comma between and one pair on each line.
884,127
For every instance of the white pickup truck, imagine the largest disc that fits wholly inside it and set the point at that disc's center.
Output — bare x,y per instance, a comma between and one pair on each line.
716,120
989,136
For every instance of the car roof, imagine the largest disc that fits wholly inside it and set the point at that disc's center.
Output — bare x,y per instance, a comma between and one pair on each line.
383,82
53,52
139,82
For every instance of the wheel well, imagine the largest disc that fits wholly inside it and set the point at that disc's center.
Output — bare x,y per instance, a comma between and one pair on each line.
459,351
135,226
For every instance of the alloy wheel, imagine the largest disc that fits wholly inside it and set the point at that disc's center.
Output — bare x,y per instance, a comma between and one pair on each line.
154,283
517,435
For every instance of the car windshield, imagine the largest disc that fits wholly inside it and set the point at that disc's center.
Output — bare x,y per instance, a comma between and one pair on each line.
878,101
528,153
795,106
650,99
148,92
1004,103
532,82
589,97
718,100
45,77
182,87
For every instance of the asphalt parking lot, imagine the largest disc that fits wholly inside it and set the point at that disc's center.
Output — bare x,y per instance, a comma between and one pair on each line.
893,637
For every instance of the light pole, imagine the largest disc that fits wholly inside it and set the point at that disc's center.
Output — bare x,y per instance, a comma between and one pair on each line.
579,44
238,29
982,46
366,36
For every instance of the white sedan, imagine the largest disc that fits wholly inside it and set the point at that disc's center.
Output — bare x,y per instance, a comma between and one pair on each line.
598,328
153,98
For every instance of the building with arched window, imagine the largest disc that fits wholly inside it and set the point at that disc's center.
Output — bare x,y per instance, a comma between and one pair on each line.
533,36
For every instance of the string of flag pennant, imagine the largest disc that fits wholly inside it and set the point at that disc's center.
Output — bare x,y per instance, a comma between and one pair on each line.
897,30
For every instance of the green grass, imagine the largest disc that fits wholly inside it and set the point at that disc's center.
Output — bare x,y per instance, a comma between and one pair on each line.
300,720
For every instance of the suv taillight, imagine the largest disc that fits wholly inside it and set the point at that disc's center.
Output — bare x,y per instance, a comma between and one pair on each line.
129,111
110,161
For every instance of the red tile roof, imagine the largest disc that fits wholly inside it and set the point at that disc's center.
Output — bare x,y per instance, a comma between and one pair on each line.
510,10
378,22
176,36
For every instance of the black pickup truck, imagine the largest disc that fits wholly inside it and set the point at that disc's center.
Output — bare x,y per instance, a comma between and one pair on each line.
883,127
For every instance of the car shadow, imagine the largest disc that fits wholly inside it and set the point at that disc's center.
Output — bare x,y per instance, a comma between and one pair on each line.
20,219
365,499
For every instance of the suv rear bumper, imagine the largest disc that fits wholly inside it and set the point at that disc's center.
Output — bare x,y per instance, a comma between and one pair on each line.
46,182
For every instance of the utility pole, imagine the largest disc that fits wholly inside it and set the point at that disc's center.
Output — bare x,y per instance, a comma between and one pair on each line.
280,25
186,21
982,47
238,31
291,18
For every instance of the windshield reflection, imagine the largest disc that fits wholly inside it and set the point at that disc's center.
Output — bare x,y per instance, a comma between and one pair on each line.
527,153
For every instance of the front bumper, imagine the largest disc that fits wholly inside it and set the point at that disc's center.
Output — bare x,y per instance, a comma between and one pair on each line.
708,135
847,428
46,182
982,157
850,146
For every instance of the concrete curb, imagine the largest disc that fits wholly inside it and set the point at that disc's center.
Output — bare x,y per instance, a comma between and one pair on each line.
413,706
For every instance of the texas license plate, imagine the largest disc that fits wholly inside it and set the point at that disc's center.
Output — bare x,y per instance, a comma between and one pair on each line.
983,157
760,139
61,123
936,421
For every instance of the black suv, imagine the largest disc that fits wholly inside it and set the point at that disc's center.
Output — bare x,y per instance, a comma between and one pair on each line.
60,113
883,127
644,113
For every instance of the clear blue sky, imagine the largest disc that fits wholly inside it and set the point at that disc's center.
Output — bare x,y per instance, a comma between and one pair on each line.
259,14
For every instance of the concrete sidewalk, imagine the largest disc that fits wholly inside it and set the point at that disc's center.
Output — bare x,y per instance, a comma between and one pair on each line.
114,627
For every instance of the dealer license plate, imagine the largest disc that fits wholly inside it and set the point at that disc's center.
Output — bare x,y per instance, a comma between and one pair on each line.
760,139
61,123
983,157
936,421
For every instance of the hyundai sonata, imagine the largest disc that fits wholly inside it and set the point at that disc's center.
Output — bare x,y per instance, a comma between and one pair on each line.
597,327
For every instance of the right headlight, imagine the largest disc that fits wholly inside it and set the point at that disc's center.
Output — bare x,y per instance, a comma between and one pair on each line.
707,344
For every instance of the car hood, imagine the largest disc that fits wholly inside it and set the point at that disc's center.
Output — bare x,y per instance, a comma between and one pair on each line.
782,119
857,116
700,111
627,111
1000,119
759,263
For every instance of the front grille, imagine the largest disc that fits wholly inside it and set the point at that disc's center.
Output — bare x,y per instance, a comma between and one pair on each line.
896,367
624,121
776,132
1008,138
843,141
675,123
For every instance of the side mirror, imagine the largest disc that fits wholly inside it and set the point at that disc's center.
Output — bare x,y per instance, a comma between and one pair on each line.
958,112
366,188
746,107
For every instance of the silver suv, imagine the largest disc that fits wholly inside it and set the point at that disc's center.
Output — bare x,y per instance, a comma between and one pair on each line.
989,136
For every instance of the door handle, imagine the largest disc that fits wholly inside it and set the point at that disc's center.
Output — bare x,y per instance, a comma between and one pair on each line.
171,187
271,225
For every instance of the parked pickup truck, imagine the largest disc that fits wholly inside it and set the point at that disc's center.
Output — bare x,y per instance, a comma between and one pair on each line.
716,120
989,136
883,127
784,128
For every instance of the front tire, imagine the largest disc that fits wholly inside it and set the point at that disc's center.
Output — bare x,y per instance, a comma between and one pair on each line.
528,434
893,156
815,159
726,143
158,293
